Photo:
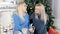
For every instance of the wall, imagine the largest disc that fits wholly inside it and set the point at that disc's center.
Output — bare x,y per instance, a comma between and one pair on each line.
6,17
56,13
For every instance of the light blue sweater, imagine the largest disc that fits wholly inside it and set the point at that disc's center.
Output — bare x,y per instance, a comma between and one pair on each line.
19,24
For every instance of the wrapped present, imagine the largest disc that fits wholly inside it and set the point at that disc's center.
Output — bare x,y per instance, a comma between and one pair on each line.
52,31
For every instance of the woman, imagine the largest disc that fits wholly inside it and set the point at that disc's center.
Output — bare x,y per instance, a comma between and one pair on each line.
39,19
21,19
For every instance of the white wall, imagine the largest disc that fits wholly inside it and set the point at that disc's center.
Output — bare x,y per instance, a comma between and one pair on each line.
6,19
56,13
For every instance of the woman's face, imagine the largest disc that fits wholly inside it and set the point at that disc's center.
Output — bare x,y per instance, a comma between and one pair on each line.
37,9
24,7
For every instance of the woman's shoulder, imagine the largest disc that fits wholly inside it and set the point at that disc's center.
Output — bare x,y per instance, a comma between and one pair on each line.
15,15
32,14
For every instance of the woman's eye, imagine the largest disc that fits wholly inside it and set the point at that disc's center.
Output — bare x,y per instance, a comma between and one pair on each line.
24,6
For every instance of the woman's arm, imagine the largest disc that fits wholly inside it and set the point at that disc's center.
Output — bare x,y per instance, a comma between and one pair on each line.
31,24
17,22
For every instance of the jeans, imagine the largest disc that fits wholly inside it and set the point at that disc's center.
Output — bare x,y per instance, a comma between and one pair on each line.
26,31
17,32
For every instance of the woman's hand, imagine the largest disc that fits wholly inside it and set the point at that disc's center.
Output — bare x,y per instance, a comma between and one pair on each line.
24,29
31,30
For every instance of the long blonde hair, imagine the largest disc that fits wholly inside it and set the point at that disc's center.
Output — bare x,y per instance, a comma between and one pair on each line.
43,14
19,7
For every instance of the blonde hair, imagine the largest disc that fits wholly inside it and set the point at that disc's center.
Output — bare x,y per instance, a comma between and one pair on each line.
43,14
19,7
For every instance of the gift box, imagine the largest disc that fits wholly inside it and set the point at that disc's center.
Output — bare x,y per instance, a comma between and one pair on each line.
52,31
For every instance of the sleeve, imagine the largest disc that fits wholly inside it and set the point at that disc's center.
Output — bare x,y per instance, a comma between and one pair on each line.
31,19
17,22
28,21
29,25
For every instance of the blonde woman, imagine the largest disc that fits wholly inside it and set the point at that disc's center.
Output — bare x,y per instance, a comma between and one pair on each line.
39,19
21,19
